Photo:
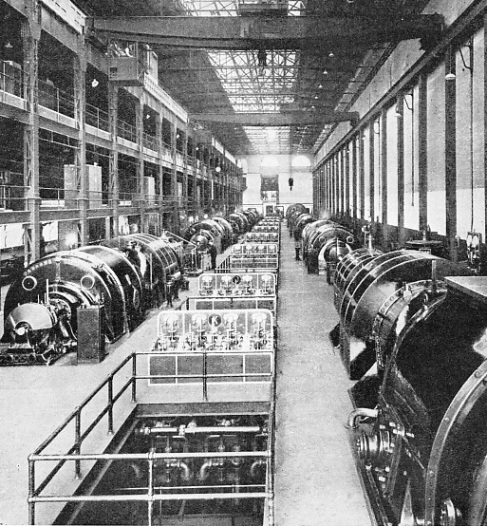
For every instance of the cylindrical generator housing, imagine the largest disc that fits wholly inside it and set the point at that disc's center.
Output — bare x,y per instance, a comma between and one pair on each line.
423,450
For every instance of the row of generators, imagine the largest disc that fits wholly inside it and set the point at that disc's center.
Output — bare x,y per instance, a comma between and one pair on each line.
412,333
81,299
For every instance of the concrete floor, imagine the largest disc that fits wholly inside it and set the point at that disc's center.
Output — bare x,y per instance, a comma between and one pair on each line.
316,482
315,479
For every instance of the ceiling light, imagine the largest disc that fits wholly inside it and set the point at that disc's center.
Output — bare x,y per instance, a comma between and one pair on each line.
331,54
94,83
325,72
316,96
8,45
320,86
450,76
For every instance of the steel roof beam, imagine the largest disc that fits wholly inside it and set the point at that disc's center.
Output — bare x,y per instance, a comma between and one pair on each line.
244,32
276,119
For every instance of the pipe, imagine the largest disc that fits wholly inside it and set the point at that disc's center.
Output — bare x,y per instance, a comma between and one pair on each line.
204,470
186,430
256,465
361,412
187,475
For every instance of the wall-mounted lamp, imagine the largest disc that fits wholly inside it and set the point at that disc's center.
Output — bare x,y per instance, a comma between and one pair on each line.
218,169
398,111
291,183
450,75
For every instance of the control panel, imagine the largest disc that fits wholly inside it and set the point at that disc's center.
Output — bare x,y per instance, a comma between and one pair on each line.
247,284
215,330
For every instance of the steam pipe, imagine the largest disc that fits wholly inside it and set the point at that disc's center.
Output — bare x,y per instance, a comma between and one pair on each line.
187,430
187,475
183,466
361,412
256,465
204,470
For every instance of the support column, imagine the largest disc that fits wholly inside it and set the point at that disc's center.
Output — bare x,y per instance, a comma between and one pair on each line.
422,151
354,177
450,160
341,177
383,166
400,169
485,126
160,171
361,174
346,178
139,130
372,170
174,180
31,32
186,195
82,183
114,185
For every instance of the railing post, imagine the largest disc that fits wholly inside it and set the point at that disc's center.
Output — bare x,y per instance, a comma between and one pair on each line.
32,504
205,378
110,405
134,378
150,489
77,463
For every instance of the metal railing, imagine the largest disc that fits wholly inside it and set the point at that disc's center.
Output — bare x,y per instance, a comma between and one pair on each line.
97,118
126,131
150,142
11,78
55,99
74,452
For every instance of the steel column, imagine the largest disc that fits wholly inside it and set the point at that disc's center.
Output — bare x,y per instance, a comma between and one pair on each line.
31,32
79,66
113,157
400,167
450,159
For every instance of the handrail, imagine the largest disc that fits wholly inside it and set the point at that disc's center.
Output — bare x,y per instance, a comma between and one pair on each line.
74,451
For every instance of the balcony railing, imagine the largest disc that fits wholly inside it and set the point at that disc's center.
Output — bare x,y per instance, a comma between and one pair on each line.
85,421
150,141
97,118
126,131
11,78
55,99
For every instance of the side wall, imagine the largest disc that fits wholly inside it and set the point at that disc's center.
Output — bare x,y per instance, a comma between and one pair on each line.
416,160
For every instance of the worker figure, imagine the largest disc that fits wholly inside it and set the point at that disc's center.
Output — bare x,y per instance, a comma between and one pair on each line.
262,60
169,292
297,248
213,252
